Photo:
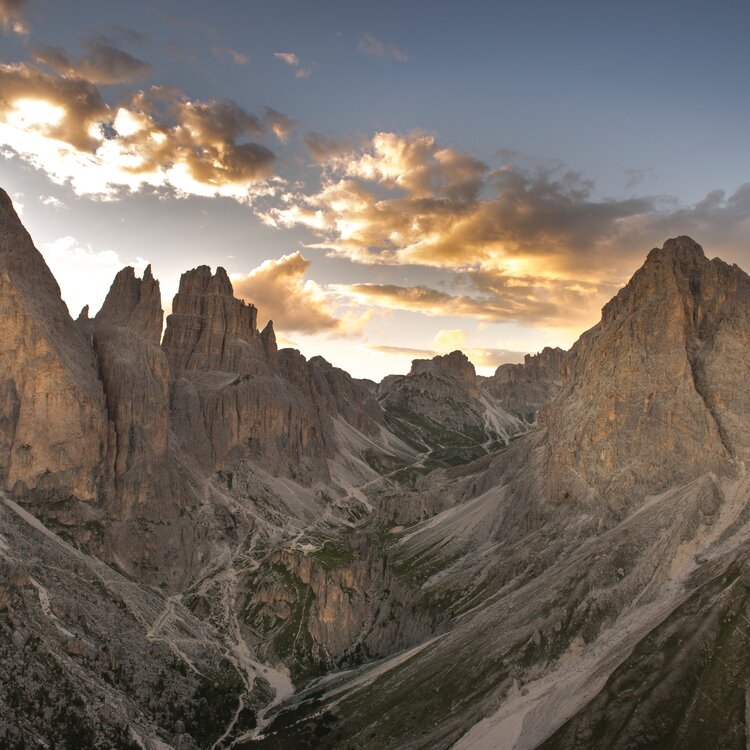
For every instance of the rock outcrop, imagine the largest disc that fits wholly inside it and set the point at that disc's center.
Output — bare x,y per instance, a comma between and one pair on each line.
53,424
135,376
134,304
656,393
522,389
441,408
210,329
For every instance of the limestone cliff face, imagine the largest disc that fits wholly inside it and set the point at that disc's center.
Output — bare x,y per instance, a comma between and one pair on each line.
134,304
53,424
210,329
656,393
522,389
455,365
228,401
135,375
332,390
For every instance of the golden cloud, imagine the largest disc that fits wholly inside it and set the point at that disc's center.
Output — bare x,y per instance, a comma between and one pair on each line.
409,200
282,293
493,298
60,123
532,245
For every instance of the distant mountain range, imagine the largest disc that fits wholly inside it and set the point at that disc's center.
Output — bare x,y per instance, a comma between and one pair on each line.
207,541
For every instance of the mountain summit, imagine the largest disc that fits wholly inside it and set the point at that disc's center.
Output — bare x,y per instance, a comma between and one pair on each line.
656,392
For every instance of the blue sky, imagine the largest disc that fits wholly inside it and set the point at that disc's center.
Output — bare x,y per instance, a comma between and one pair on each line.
391,179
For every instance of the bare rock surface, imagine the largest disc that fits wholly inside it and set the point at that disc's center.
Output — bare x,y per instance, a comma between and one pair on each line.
656,392
522,389
53,427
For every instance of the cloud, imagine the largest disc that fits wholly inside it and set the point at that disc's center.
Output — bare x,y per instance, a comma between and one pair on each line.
104,64
288,57
282,293
50,200
532,243
70,261
406,199
322,148
490,297
372,47
223,52
280,124
450,339
293,61
13,16
158,137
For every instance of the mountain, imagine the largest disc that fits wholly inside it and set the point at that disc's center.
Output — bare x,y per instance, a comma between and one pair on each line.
206,541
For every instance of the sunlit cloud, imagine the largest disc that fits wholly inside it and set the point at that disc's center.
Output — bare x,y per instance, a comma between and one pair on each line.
369,45
158,137
447,340
13,16
490,297
282,293
281,125
531,245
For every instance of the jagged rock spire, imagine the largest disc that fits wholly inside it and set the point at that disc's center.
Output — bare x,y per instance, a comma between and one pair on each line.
209,329
135,304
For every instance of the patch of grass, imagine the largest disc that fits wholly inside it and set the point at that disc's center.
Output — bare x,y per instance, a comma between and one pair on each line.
334,553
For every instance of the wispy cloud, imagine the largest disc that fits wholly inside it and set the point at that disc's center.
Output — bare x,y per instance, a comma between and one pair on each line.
13,16
372,47
103,63
291,59
226,53
280,124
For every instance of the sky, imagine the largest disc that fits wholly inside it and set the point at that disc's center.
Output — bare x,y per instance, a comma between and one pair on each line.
384,180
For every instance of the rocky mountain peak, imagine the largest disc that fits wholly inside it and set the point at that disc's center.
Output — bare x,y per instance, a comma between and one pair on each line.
455,365
664,367
268,339
49,387
135,304
209,328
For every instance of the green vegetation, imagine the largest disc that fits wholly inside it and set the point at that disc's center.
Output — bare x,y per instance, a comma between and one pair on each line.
334,553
